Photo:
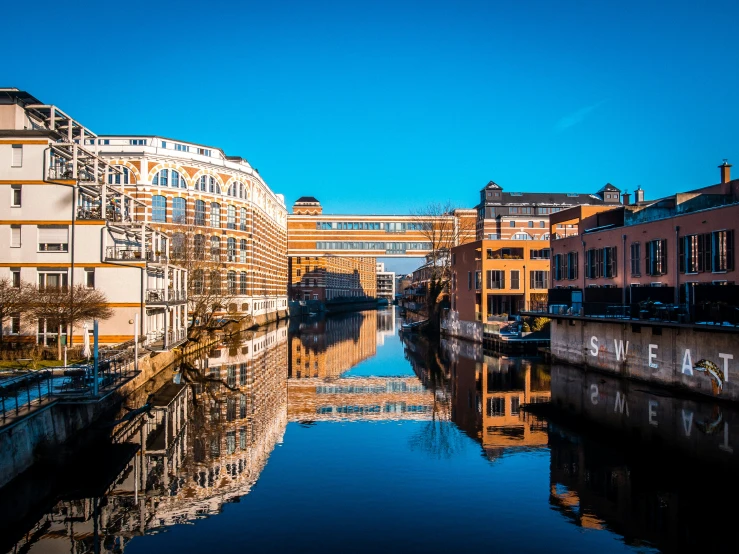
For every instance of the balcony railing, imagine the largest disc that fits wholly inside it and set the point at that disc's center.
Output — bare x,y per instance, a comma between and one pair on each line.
155,296
131,253
156,257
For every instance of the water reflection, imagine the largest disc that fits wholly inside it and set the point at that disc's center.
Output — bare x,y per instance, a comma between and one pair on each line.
598,463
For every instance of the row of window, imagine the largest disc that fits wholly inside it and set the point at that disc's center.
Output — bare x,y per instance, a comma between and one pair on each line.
233,286
164,144
498,211
496,279
390,227
49,238
178,250
706,252
516,254
387,246
53,278
179,213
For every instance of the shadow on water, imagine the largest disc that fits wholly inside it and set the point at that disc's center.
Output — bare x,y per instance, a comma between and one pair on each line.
623,459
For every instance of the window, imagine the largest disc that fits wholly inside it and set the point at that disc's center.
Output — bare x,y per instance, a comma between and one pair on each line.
197,281
231,249
199,212
231,217
15,236
542,224
513,223
215,282
539,279
52,280
215,248
515,279
208,184
242,251
15,325
119,177
610,262
558,267
635,259
199,247
594,263
215,214
15,196
90,278
242,287
657,257
53,238
469,280
496,406
137,142
242,219
159,208
15,277
570,268
543,254
181,147
495,279
531,224
723,250
17,156
231,281
178,210
178,246
478,280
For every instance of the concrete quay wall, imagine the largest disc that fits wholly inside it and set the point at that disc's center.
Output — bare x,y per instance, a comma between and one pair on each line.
698,360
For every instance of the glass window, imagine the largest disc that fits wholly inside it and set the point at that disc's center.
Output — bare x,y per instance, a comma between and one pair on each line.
231,217
178,210
231,249
231,281
215,282
159,208
215,214
242,251
215,248
242,284
242,218
199,212
199,247
15,196
635,259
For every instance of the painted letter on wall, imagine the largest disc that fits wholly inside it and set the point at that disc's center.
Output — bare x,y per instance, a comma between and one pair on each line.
593,346
652,355
687,363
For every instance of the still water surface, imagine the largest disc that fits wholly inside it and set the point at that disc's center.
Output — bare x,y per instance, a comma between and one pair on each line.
343,435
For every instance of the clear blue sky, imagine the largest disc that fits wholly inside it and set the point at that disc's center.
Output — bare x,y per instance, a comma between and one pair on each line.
379,107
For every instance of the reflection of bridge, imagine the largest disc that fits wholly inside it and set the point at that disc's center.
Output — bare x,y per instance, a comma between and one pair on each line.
365,398
312,233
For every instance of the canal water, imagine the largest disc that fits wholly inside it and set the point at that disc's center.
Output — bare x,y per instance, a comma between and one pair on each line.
344,434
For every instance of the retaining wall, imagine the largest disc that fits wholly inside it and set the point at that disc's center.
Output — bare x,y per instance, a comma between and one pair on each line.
702,361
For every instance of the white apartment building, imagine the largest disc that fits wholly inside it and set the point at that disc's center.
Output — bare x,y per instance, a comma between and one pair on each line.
231,227
64,221
385,282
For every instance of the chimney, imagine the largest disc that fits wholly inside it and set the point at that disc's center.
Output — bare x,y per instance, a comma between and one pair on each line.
725,171
626,199
638,195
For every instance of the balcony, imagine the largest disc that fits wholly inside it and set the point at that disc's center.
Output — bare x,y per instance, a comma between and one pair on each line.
156,258
123,253
174,296
156,342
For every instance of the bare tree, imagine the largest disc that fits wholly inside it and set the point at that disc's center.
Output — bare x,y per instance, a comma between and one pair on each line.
13,300
211,287
67,306
444,227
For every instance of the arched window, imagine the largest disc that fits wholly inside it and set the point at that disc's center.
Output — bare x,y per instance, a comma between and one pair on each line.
242,251
197,281
545,236
199,212
242,219
215,282
215,214
208,184
236,190
521,236
169,178
178,246
178,210
198,246
118,178
242,286
215,248
231,217
159,209
231,249
231,279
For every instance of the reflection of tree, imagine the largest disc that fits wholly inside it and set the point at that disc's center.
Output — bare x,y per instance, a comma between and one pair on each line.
440,439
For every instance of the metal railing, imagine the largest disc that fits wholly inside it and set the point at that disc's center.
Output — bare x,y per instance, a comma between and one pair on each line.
156,257
22,391
154,296
123,253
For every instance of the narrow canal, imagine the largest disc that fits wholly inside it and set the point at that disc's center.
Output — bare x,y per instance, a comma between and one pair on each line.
344,434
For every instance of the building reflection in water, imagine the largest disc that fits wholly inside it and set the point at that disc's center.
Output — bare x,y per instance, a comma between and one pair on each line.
321,351
489,393
650,466
203,443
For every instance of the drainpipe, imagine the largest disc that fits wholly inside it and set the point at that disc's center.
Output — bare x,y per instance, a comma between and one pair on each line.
623,279
677,265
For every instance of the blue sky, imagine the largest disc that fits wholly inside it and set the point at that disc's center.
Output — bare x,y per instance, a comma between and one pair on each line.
380,107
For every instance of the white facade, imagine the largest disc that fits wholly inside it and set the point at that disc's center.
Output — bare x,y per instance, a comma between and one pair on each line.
385,283
59,219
